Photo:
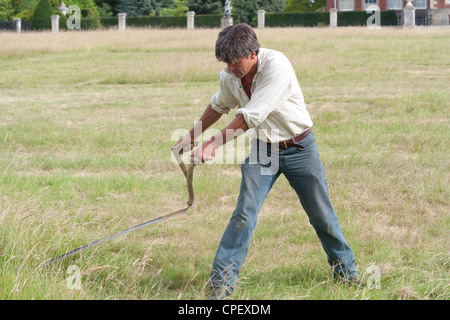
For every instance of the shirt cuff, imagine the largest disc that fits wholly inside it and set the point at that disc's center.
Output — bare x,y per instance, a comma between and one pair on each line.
252,122
218,108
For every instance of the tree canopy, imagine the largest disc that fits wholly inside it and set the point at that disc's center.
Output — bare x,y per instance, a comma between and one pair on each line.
42,15
304,5
245,10
206,6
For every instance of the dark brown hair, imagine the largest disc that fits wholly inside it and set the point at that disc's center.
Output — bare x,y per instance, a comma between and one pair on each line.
234,42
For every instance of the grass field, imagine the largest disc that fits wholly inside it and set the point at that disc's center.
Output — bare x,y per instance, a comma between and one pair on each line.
87,122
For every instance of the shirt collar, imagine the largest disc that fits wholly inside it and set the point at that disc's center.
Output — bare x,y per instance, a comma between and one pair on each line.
259,62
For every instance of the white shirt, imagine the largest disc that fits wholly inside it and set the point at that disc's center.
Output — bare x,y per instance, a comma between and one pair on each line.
276,110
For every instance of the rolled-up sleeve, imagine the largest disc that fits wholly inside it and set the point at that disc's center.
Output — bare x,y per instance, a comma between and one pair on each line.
224,100
270,92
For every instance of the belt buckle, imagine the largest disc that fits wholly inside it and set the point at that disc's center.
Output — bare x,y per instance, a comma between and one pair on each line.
276,146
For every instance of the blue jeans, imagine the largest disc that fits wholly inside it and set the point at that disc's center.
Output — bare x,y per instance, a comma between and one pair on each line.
306,174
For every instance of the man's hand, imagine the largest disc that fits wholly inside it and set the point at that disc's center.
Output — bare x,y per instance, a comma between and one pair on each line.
183,145
206,152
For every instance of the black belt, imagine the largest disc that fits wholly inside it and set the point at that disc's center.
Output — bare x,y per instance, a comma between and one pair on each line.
291,142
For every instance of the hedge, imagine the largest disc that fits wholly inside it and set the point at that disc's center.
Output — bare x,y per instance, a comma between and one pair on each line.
314,19
359,18
42,15
305,19
200,21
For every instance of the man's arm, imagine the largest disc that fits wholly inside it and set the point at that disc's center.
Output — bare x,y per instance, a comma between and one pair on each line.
208,118
208,150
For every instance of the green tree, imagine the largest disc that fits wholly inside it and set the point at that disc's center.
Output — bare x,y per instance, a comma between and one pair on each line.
16,3
179,9
105,10
206,6
247,9
130,7
42,15
88,7
24,9
158,7
108,5
6,9
304,5
143,7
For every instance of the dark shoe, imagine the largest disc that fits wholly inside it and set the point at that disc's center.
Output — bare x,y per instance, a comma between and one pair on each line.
219,293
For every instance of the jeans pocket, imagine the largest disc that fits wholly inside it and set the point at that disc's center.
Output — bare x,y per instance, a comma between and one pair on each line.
306,143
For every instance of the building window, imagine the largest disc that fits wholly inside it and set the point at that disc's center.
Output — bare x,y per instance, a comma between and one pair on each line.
420,4
421,21
346,5
368,3
395,4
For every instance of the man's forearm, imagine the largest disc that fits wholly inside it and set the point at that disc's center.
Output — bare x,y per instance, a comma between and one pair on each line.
207,151
236,127
208,118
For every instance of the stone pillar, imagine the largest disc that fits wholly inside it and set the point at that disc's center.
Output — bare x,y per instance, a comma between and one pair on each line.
333,18
18,24
261,19
190,20
122,21
409,15
226,21
55,23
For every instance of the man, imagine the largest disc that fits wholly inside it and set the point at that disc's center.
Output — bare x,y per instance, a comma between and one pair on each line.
264,87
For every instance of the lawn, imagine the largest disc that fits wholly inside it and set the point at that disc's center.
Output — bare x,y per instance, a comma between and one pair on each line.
87,120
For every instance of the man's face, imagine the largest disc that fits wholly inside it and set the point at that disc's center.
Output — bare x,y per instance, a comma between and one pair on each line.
243,66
